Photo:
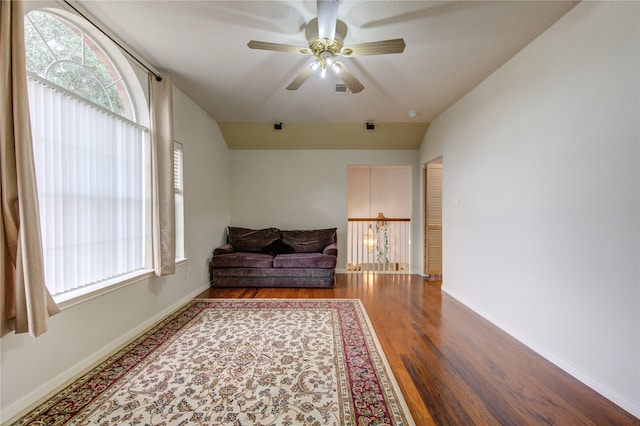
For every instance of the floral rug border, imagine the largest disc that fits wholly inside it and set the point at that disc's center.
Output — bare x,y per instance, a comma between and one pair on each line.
388,407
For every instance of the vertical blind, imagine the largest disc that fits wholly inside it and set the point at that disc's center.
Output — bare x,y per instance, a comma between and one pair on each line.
89,171
178,187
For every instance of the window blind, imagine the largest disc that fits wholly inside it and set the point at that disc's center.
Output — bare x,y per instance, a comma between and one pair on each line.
89,172
177,167
178,186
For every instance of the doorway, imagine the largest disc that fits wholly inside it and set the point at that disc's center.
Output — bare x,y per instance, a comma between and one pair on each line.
433,220
379,219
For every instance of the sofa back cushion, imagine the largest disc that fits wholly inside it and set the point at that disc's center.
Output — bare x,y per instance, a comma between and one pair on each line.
311,241
252,240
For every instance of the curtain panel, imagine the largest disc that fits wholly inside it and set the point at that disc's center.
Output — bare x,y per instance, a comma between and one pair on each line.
25,303
162,163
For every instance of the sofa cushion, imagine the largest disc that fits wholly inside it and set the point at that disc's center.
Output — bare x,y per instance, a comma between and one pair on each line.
331,249
312,241
242,259
252,240
227,248
304,260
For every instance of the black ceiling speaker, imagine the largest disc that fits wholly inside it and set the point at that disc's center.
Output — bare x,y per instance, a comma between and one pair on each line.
370,126
277,126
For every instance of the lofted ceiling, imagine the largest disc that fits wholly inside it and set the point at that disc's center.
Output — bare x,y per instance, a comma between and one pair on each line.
451,46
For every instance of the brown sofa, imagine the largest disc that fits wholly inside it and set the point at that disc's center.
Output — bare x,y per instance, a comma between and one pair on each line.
272,257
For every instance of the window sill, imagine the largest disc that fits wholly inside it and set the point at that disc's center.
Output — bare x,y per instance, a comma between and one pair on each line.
81,295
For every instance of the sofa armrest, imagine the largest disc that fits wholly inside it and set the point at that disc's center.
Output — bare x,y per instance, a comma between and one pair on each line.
227,248
331,250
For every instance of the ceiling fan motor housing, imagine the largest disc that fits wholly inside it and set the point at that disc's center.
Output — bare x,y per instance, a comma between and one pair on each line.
323,48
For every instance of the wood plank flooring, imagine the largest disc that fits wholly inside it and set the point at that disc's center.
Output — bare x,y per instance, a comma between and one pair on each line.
454,367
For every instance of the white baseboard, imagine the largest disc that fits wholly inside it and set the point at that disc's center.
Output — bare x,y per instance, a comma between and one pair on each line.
623,402
31,400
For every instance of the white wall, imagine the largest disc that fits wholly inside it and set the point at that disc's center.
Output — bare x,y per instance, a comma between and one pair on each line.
307,189
379,189
82,334
541,197
207,177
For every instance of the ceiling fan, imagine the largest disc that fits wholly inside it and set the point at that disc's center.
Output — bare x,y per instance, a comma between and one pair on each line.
327,45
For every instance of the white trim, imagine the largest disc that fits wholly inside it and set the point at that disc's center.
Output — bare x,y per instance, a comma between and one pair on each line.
620,400
83,294
25,404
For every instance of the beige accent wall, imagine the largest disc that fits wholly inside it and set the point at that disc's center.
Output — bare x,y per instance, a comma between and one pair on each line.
323,135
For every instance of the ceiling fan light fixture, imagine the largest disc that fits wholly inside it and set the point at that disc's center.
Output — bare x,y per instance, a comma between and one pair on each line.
326,35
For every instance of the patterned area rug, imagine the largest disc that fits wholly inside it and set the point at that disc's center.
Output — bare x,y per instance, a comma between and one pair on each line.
240,362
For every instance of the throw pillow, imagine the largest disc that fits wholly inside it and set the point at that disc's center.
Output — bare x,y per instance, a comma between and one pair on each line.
311,241
277,247
252,240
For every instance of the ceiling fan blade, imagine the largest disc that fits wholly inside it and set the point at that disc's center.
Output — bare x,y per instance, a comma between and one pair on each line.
301,78
396,45
264,45
349,79
327,17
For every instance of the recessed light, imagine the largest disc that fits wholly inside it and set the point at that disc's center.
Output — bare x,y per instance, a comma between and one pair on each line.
413,113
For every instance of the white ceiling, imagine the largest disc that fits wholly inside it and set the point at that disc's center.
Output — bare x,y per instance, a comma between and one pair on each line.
451,46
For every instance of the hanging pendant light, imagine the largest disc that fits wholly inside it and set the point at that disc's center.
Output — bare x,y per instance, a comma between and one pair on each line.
371,237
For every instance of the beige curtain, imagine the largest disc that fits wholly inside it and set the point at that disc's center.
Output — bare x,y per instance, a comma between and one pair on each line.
25,303
164,223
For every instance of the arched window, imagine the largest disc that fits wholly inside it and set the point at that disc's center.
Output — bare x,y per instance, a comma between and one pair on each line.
62,53
91,156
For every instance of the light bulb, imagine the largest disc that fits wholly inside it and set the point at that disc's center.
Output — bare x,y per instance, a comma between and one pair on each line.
315,66
329,60
323,73
336,68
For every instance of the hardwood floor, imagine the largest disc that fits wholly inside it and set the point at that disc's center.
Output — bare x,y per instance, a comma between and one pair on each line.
454,367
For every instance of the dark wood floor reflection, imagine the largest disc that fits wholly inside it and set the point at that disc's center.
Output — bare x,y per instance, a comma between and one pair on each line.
454,367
